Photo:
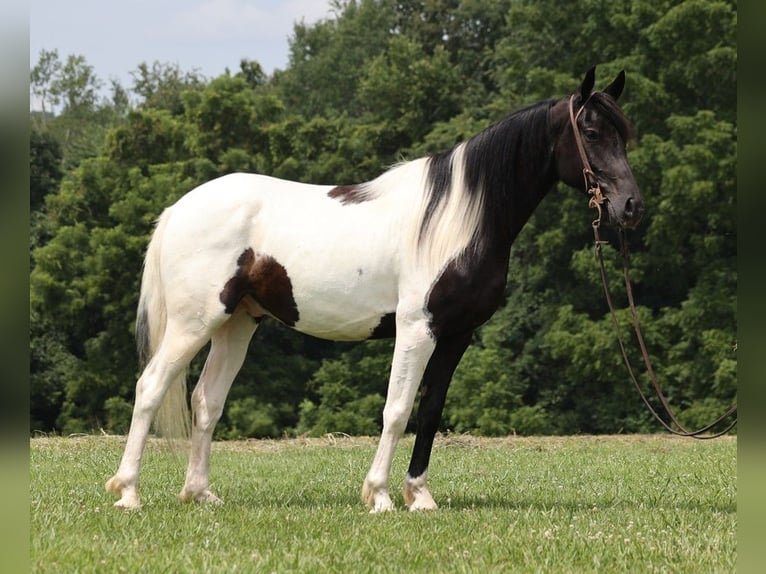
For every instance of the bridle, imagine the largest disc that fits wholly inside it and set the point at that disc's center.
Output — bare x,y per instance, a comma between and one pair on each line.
592,186
596,200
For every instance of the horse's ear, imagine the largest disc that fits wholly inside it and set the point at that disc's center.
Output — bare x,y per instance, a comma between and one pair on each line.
615,88
587,84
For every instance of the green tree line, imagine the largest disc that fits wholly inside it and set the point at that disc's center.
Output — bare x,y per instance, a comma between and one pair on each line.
377,82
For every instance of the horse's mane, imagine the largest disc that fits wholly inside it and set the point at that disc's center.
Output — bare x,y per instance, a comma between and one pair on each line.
472,183
509,157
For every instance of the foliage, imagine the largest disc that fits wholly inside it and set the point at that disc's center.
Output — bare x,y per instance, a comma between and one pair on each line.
71,88
377,82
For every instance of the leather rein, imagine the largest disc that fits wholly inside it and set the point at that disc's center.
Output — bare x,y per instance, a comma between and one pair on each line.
596,200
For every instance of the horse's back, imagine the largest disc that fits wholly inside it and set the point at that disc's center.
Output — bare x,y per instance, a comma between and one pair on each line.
223,201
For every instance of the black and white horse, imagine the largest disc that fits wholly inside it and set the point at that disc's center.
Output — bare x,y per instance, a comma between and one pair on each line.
419,253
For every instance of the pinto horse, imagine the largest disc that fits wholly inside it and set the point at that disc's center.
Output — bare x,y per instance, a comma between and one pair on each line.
420,253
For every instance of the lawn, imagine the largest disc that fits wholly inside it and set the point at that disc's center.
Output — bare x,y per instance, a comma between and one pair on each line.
558,504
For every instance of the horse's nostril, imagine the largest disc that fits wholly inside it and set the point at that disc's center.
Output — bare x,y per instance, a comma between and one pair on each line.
634,209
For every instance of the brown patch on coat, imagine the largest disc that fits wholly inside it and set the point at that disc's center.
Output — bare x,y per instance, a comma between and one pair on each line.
347,194
264,279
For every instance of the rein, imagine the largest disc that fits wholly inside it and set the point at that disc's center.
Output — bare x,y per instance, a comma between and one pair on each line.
595,201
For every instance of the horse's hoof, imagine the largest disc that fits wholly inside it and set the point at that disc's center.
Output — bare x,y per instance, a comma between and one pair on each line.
204,497
208,497
376,501
423,506
127,505
416,495
382,505
128,495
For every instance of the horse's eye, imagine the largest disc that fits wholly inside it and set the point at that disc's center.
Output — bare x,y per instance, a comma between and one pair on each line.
591,135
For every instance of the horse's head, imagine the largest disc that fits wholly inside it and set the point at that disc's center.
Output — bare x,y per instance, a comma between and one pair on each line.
592,134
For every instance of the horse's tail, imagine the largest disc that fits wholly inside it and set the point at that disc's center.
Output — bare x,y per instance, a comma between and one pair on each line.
172,419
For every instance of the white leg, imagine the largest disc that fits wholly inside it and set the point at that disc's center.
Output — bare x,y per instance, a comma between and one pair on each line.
170,362
227,353
414,346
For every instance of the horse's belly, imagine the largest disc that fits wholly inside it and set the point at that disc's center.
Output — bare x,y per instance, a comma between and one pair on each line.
342,264
341,327
344,307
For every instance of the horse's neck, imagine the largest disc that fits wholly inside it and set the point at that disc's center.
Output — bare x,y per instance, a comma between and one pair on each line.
506,222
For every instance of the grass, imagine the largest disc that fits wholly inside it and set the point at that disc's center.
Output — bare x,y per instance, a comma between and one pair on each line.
579,504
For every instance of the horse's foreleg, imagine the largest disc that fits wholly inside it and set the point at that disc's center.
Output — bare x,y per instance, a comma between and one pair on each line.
227,353
413,347
436,380
167,365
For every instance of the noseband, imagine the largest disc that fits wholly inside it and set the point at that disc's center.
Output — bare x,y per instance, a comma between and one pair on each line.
591,182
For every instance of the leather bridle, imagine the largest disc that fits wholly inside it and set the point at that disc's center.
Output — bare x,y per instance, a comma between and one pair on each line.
596,200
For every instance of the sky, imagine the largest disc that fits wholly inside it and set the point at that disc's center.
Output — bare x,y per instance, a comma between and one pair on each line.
203,35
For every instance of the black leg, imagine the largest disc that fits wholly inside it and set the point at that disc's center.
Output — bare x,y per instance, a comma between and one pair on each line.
436,379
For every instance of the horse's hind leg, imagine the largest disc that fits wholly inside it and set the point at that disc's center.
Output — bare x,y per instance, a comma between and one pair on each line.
227,353
167,365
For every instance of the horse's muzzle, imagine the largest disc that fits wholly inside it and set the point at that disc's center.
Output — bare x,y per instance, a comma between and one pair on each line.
632,212
628,215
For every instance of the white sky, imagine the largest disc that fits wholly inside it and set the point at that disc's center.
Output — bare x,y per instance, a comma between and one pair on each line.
203,35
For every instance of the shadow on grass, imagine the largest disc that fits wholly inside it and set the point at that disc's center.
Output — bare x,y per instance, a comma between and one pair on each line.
344,498
484,503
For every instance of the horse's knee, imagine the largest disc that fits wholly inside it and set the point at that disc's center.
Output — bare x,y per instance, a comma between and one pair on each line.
395,418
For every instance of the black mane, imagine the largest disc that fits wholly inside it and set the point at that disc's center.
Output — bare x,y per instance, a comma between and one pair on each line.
505,165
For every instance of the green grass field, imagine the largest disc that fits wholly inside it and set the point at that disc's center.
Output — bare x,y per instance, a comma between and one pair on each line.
579,504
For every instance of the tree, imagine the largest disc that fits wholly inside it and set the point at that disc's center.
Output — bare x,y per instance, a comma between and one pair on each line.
252,72
224,117
328,58
349,392
687,43
76,85
406,88
160,86
84,117
42,81
44,167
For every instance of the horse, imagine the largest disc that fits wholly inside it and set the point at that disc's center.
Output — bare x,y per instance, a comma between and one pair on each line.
420,254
